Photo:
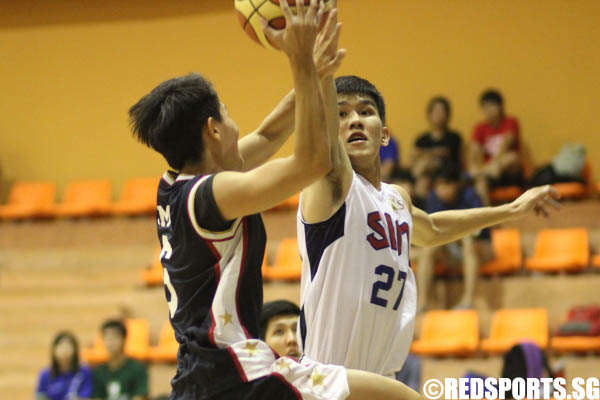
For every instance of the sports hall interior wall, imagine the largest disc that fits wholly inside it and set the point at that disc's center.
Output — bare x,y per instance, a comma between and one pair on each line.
70,70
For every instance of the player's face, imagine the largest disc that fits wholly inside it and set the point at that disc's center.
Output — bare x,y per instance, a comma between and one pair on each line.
438,116
281,335
230,134
64,351
361,129
114,342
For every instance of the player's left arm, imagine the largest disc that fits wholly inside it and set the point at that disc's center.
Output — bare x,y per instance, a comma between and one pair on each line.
257,147
448,226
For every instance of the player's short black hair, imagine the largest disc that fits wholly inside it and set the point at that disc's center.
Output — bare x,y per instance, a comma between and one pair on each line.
170,118
441,100
54,369
115,324
402,174
491,96
274,309
351,84
448,172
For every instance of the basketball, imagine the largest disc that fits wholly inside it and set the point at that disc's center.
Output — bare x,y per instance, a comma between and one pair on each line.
249,14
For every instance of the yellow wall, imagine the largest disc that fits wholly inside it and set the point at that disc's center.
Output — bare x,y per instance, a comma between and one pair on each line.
69,70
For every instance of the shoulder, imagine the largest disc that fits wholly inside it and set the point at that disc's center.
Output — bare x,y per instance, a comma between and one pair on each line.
480,127
454,135
135,365
403,193
44,374
423,139
99,371
85,370
511,121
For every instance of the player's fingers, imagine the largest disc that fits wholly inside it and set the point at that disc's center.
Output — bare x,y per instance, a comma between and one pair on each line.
300,12
272,35
554,193
285,10
320,13
311,13
552,203
329,24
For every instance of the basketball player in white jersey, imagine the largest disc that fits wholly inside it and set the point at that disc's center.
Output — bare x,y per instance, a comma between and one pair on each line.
358,292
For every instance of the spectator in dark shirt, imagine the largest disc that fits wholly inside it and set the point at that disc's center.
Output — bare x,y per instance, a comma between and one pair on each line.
121,378
449,194
436,147
390,158
66,379
495,156
278,324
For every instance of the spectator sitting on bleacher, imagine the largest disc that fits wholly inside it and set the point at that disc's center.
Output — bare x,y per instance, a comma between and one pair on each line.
121,378
495,157
449,194
438,146
278,322
65,379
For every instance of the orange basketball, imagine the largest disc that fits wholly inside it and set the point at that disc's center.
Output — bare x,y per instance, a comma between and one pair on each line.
250,11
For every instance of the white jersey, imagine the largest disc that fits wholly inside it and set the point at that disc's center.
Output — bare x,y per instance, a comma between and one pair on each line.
358,292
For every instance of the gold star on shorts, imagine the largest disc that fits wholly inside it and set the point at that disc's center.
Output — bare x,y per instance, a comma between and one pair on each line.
251,347
283,363
317,378
226,318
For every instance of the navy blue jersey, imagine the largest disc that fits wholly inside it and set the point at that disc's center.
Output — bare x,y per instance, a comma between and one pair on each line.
213,284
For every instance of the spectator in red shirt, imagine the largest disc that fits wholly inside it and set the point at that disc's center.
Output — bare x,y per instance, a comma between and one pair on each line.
495,158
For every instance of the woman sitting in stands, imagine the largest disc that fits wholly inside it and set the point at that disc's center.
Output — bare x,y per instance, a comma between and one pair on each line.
65,379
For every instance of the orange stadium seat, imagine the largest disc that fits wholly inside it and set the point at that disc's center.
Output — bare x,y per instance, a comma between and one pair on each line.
138,198
86,198
30,200
507,251
166,350
512,326
577,190
575,344
596,261
153,276
505,194
287,265
137,343
448,333
560,250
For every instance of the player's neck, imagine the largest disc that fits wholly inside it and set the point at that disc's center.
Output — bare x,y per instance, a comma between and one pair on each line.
371,172
204,167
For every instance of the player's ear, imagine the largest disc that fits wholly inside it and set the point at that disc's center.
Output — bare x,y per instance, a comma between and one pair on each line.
211,129
385,138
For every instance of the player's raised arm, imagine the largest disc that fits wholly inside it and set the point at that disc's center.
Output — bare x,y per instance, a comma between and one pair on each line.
447,226
321,199
257,147
239,194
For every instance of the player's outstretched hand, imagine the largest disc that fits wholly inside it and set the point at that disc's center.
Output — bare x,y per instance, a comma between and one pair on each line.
539,199
298,38
328,57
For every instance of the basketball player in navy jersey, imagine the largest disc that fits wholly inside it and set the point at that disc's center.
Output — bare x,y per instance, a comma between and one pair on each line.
358,292
211,234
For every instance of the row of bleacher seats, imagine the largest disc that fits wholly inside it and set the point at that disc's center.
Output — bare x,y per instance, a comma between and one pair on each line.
89,198
29,200
456,333
567,190
555,250
443,333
